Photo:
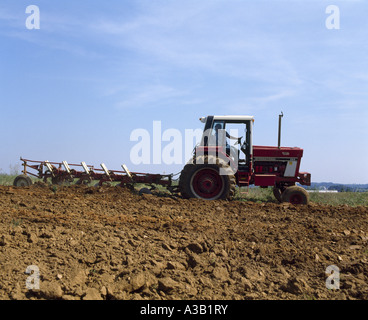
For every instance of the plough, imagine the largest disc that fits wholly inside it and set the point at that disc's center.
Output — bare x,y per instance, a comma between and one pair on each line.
64,173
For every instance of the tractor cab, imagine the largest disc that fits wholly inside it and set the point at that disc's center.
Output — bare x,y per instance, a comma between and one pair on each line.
228,137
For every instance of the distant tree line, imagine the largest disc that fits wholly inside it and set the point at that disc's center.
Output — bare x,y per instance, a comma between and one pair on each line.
339,187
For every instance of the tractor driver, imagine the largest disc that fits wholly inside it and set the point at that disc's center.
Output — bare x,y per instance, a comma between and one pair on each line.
220,138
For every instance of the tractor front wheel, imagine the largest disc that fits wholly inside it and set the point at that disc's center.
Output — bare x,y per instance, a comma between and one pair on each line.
295,195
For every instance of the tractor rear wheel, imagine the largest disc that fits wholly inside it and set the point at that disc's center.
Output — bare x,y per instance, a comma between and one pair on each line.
22,181
295,195
203,180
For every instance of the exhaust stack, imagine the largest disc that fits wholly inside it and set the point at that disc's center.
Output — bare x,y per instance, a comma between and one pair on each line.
279,140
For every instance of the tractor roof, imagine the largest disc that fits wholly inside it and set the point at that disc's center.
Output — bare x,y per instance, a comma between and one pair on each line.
229,118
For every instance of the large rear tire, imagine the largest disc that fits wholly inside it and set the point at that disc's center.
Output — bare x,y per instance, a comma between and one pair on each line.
295,195
203,180
22,181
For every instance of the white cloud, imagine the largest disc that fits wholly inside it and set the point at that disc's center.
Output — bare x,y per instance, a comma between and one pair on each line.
148,96
189,37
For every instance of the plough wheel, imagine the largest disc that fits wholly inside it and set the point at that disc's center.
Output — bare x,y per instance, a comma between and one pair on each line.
22,181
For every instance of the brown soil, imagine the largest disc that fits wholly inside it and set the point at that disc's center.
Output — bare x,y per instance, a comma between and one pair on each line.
109,243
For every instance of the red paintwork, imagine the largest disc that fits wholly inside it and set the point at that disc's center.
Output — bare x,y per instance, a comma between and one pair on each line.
264,151
264,175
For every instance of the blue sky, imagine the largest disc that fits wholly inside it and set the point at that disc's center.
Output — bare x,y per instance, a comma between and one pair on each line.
96,70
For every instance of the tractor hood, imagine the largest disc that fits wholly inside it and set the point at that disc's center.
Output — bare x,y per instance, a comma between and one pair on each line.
275,152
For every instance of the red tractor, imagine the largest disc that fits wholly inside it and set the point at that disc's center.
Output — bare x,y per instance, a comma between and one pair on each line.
218,167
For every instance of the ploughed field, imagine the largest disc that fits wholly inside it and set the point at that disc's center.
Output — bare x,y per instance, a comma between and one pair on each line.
111,243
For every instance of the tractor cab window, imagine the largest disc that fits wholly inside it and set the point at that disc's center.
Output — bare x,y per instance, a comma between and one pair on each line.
217,135
235,137
229,135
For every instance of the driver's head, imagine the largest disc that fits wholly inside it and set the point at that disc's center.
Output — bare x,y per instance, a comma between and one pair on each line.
218,127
